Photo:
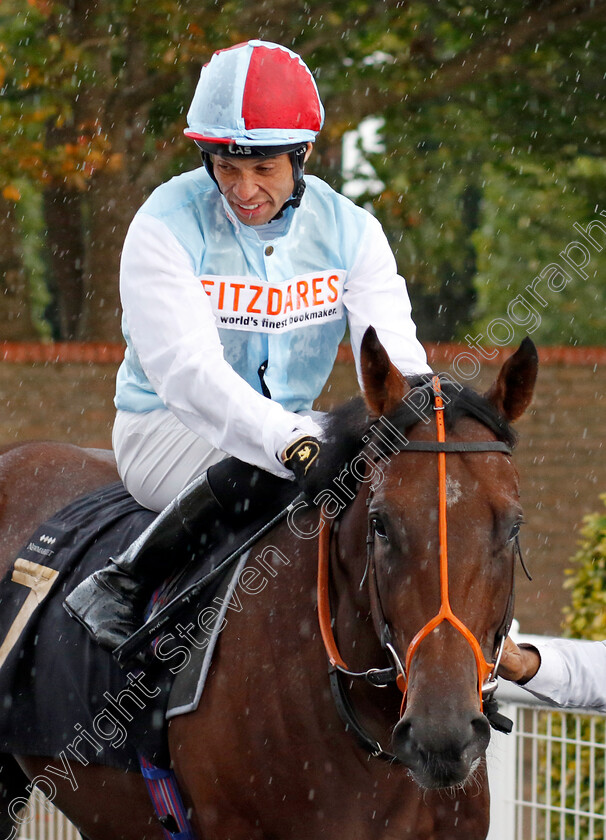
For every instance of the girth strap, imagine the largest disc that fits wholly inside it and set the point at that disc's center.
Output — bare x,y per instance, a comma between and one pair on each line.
166,798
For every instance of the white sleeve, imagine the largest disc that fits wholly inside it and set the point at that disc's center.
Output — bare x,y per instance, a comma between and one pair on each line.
375,295
572,673
172,327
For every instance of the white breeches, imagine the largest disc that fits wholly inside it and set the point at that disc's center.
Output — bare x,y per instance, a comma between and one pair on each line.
157,456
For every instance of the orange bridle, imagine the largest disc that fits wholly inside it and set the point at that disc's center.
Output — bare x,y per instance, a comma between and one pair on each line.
486,671
445,612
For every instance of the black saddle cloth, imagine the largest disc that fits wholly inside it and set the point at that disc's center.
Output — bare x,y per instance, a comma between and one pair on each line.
60,694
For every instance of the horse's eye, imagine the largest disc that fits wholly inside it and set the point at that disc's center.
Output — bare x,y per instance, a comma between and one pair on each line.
514,531
379,527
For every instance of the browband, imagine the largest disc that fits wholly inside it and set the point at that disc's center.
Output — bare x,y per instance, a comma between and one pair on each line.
452,446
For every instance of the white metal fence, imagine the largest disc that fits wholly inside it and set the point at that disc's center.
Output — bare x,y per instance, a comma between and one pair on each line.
547,779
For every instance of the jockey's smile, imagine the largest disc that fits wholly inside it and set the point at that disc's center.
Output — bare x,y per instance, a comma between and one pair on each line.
256,188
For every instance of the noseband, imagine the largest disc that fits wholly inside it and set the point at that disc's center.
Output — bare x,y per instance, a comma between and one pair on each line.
399,672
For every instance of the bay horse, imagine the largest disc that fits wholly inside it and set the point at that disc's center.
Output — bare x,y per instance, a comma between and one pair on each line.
266,755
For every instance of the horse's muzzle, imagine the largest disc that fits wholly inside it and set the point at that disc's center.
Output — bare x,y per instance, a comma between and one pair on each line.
441,751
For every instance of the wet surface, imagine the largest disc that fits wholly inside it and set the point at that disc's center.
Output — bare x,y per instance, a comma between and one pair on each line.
560,456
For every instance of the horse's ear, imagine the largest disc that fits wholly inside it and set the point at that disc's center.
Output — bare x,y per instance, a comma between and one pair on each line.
511,392
384,385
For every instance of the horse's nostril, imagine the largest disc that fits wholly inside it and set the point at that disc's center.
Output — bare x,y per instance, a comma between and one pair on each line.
439,751
402,731
481,728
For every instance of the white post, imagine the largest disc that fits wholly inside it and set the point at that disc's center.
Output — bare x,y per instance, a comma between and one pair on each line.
501,763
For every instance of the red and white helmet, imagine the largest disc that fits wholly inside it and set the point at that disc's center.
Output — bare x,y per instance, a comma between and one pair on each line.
257,95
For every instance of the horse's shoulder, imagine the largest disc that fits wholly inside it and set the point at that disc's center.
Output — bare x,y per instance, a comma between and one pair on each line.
37,478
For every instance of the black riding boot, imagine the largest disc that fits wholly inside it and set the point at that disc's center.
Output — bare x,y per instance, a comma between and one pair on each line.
110,603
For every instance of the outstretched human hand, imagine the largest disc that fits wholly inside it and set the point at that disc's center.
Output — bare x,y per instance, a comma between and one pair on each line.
518,664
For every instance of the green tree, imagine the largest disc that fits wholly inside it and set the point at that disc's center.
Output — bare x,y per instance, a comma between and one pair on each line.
93,96
586,616
495,147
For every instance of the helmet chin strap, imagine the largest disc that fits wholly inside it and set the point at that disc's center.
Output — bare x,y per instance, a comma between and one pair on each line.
294,200
297,159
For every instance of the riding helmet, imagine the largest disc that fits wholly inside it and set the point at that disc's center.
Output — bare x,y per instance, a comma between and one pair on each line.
256,99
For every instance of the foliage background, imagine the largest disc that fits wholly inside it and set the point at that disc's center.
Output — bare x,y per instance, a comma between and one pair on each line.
491,144
586,616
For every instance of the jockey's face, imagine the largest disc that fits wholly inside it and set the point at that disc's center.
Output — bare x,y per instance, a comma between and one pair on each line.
256,188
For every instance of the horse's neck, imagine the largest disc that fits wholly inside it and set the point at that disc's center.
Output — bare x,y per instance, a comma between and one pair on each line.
283,612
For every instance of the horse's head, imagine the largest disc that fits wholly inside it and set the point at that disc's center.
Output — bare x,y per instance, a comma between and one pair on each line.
441,550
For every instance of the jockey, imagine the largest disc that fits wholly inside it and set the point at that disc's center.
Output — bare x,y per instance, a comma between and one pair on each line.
237,281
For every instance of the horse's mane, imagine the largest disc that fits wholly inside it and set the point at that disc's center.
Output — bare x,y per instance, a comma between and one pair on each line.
347,426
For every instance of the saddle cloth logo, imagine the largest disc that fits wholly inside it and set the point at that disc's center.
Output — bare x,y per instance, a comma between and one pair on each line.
248,303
